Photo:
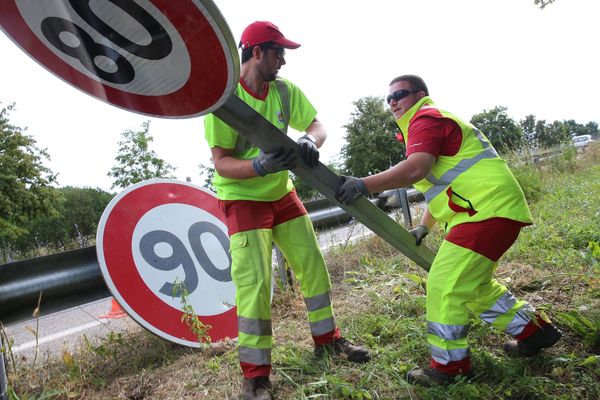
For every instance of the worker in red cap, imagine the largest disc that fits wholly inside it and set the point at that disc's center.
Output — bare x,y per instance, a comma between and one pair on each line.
261,207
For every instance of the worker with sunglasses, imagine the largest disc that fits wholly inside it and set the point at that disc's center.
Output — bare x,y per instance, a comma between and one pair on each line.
260,205
470,190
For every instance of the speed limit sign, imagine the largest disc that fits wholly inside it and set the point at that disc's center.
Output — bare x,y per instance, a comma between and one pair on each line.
163,244
160,58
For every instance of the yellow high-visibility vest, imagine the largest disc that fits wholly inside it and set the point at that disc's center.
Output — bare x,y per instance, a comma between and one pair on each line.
473,185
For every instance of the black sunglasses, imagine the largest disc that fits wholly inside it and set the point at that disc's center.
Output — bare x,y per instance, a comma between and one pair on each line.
400,94
279,51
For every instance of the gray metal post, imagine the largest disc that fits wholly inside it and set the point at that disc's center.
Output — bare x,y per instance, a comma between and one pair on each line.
3,377
284,275
403,195
260,132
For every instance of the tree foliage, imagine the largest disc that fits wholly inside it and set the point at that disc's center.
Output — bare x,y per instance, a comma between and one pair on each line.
543,3
208,173
371,145
543,135
135,161
76,220
502,131
25,182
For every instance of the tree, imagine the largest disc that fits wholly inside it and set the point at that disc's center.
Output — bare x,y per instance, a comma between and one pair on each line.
592,129
76,220
528,127
136,162
504,133
543,3
371,145
25,183
208,173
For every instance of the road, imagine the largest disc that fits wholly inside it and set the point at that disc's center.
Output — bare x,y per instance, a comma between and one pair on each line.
53,334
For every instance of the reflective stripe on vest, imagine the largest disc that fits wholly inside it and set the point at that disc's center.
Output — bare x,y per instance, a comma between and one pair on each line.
440,184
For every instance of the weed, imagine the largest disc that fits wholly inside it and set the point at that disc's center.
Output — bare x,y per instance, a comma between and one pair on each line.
379,301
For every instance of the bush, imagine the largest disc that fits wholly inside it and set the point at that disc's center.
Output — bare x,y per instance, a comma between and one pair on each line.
530,180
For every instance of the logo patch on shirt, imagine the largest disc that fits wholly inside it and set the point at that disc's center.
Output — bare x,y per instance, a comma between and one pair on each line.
280,116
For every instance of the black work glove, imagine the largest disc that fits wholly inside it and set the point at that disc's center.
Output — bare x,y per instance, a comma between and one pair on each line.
351,190
308,151
419,233
275,161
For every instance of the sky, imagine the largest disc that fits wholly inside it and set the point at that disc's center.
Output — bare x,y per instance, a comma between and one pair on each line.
473,54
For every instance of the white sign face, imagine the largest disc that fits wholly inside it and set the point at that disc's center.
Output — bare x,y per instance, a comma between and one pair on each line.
161,245
166,59
185,244
91,37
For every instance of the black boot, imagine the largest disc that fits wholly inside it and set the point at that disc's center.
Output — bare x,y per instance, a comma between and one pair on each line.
258,388
545,337
342,347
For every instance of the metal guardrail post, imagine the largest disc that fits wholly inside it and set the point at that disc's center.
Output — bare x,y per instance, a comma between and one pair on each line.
402,193
3,377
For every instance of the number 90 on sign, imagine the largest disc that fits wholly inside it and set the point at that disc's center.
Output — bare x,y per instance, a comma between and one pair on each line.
178,245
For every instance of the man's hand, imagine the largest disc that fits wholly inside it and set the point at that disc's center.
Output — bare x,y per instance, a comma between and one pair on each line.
419,233
278,160
351,190
308,150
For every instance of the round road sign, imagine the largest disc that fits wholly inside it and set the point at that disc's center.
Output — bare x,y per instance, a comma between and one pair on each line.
162,245
161,58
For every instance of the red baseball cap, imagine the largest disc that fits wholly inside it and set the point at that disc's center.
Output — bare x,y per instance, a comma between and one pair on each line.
264,31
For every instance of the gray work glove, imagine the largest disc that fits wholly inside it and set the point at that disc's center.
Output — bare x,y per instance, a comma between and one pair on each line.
351,190
275,161
419,233
308,151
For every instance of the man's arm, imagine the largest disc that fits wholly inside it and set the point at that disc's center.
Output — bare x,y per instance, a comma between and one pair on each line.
230,167
317,130
416,167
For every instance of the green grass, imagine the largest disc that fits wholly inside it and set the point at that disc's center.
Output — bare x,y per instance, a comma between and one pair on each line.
379,300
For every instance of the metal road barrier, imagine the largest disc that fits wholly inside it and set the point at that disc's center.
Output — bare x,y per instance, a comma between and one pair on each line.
72,278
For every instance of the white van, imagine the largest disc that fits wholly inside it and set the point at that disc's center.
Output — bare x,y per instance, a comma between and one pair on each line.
581,142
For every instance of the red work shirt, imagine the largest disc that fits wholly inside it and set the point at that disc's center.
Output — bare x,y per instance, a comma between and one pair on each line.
443,137
436,136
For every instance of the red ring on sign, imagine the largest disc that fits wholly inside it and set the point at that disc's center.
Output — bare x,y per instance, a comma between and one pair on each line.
116,246
205,87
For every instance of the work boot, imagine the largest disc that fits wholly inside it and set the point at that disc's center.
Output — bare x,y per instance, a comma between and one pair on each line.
431,377
545,337
258,388
342,347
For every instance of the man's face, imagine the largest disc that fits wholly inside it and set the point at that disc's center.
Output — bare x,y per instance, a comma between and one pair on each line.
271,60
401,98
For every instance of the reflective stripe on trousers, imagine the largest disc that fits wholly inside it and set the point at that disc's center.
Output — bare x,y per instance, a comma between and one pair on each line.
461,280
251,272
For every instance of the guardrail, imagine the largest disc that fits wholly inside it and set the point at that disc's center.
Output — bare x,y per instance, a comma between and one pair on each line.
72,278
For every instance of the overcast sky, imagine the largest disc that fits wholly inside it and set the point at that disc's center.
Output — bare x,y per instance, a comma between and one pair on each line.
473,54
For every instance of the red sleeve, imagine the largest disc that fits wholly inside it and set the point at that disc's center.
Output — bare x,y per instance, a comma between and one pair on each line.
433,135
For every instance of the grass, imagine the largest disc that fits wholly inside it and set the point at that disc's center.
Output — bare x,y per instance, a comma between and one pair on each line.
379,300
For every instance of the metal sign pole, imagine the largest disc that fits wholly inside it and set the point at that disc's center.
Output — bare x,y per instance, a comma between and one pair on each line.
3,377
263,134
402,194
